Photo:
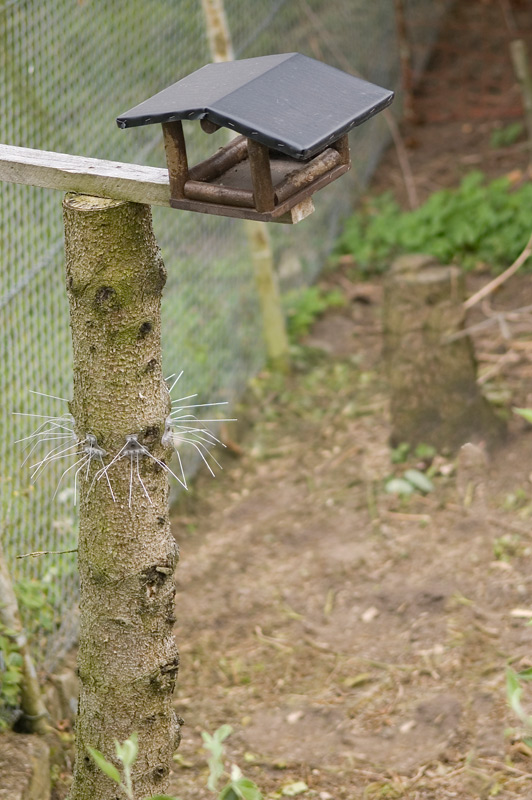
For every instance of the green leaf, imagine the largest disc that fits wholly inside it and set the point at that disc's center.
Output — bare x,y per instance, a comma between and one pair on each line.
504,137
161,797
425,451
293,789
399,486
228,793
15,659
222,733
525,675
400,453
512,682
246,789
419,480
12,634
477,222
109,769
214,745
526,413
127,752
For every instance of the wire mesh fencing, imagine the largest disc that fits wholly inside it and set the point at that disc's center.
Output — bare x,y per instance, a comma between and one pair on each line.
68,68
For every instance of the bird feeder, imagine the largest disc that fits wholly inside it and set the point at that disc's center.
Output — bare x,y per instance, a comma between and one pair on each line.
293,114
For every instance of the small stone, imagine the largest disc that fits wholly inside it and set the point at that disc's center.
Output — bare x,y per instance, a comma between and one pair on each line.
294,717
406,727
370,614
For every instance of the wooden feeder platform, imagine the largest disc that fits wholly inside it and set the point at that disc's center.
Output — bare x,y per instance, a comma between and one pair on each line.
293,114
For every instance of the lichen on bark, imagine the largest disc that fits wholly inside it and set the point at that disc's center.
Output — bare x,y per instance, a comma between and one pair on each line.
127,659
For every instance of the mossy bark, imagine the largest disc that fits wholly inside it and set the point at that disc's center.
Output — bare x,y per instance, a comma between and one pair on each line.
434,396
127,659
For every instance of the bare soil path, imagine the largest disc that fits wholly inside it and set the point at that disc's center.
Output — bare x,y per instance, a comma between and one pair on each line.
356,642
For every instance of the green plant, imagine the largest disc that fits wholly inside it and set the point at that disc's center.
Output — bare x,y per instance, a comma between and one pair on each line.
304,306
37,614
413,480
526,413
509,134
478,222
401,453
515,500
10,677
237,788
507,546
35,602
426,452
127,754
514,692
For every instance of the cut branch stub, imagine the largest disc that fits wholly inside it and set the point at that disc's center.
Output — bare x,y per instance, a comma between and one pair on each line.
434,396
127,656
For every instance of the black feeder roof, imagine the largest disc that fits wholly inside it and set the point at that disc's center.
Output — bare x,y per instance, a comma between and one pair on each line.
289,102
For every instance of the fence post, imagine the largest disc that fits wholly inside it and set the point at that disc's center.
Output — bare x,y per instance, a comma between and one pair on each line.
127,658
273,322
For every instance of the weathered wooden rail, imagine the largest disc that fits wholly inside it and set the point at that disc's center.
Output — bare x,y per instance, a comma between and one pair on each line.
94,176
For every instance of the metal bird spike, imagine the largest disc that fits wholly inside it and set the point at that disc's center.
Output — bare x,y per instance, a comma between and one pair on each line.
134,450
185,428
58,434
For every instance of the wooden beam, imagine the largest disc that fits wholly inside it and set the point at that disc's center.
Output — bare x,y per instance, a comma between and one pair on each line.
226,157
212,193
299,178
176,157
261,176
93,176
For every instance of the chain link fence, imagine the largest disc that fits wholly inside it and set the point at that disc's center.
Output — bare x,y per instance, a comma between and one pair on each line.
68,68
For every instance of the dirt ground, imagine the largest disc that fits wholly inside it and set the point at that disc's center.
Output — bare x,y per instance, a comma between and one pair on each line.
358,643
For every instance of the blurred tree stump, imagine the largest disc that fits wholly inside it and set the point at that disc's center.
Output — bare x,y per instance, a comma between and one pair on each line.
434,395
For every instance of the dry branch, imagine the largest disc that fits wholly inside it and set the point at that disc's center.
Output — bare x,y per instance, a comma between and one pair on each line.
492,320
47,553
500,279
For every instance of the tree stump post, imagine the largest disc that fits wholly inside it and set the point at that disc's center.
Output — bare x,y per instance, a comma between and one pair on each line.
434,396
128,659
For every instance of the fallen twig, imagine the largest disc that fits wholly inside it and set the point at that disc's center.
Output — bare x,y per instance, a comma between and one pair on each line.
508,358
492,320
505,767
47,553
409,517
500,279
277,643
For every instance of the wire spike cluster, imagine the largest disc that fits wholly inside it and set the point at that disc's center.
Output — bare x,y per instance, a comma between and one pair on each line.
186,428
182,427
134,450
58,434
